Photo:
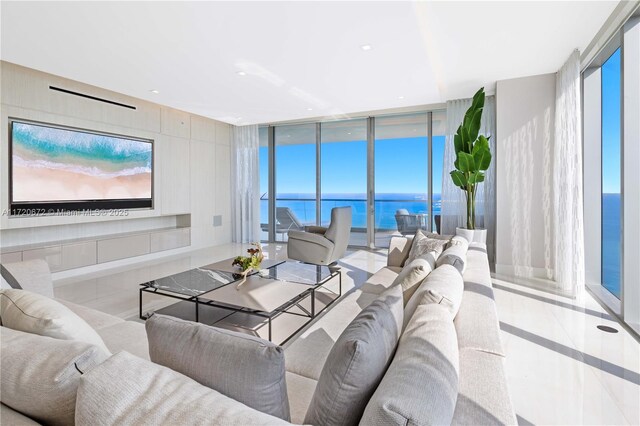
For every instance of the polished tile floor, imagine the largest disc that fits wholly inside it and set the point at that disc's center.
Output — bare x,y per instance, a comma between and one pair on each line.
561,369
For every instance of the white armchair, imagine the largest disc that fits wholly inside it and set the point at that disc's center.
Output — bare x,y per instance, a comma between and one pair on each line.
319,245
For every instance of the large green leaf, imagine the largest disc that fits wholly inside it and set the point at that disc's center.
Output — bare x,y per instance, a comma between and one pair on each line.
458,179
478,99
474,126
476,177
482,153
465,162
457,141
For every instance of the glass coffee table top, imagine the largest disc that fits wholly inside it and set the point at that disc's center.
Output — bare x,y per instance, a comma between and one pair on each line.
193,282
301,273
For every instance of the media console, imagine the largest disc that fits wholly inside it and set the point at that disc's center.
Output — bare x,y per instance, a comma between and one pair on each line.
77,253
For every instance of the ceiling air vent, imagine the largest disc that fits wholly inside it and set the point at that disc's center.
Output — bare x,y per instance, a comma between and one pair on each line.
82,95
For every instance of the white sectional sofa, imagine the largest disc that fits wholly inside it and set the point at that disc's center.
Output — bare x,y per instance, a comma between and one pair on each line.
480,383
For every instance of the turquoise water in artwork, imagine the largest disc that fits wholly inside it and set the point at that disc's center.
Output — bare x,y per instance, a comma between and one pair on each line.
41,147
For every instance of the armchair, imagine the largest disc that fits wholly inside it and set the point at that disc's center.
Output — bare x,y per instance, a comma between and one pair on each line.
319,245
409,223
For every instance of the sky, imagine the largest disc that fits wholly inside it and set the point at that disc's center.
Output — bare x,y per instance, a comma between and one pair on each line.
611,124
400,167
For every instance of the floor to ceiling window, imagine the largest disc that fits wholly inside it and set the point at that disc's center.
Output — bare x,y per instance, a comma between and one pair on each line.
611,129
264,182
401,176
400,192
611,173
344,173
295,177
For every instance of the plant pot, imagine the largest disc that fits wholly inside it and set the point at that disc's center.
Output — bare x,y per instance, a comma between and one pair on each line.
478,235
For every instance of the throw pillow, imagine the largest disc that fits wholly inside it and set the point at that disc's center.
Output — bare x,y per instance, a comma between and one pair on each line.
424,244
444,285
246,368
412,275
40,375
421,386
455,254
33,313
357,362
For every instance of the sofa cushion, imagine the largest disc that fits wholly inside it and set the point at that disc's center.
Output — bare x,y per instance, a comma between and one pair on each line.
412,275
33,313
126,336
379,282
357,363
421,384
243,367
455,254
300,390
483,396
477,320
128,390
40,375
9,416
96,319
442,286
399,248
424,244
32,275
307,354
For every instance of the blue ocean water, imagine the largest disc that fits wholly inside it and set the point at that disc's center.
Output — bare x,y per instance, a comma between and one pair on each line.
386,205
611,242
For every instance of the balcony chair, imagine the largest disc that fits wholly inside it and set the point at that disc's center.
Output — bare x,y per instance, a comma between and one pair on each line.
286,220
409,223
319,245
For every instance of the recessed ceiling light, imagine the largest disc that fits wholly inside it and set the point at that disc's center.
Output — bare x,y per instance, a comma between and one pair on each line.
238,118
154,91
400,97
348,133
365,47
309,109
241,73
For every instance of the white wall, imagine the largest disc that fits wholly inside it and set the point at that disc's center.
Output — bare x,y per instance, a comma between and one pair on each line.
191,159
525,110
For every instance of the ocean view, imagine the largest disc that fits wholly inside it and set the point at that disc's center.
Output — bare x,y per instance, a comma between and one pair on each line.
611,247
386,205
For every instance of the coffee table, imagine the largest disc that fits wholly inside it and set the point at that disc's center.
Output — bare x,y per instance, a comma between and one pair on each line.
289,288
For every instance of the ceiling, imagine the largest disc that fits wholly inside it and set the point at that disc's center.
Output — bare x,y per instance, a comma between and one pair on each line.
299,59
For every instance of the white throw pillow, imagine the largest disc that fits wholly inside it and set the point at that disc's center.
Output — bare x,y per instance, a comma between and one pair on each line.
33,313
423,244
412,275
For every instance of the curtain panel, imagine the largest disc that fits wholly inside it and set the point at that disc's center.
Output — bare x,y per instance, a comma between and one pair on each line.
245,184
567,207
454,204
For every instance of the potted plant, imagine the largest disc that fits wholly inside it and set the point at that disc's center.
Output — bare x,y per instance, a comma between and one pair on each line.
249,263
473,158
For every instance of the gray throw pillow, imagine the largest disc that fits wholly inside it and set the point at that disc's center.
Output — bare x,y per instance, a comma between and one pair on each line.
41,375
427,244
357,362
246,368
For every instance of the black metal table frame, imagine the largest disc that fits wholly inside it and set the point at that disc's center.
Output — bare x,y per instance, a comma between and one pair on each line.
148,288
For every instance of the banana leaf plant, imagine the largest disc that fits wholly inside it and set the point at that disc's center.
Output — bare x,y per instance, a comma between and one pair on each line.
473,155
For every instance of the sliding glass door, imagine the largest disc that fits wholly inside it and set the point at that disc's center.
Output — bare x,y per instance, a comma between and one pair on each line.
295,177
611,173
344,174
401,176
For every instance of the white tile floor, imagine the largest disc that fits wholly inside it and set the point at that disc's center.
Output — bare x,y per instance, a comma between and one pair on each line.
561,369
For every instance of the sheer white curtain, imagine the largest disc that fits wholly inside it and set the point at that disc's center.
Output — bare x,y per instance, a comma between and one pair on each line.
567,180
245,184
454,204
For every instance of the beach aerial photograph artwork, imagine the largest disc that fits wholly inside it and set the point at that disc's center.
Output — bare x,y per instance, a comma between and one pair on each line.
54,164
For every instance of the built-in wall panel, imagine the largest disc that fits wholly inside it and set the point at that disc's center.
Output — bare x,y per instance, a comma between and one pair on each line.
187,183
203,195
525,111
175,162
